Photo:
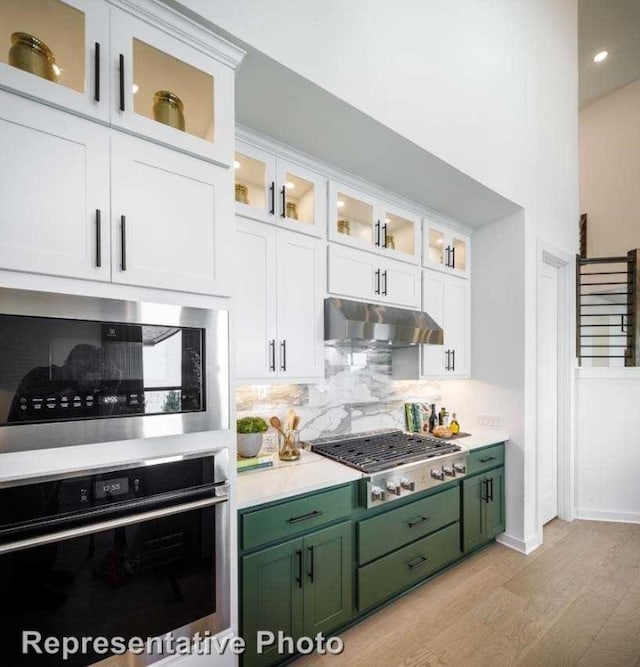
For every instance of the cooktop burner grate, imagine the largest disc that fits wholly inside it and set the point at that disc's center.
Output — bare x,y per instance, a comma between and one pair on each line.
377,452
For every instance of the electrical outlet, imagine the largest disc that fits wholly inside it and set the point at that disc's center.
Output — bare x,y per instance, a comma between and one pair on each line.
489,421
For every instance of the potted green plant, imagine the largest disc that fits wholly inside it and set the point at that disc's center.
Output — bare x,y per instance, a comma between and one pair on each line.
250,430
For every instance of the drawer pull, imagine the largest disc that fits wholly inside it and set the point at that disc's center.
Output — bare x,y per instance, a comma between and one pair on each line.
416,522
305,517
418,562
489,458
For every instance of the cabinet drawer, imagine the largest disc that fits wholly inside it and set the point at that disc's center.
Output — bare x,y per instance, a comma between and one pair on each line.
391,574
406,524
295,516
484,459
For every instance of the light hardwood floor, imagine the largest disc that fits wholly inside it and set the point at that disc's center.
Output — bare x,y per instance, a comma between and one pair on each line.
574,601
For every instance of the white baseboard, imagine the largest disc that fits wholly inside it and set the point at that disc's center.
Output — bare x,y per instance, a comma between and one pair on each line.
522,546
606,515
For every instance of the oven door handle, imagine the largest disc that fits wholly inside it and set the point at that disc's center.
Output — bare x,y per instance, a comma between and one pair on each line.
99,526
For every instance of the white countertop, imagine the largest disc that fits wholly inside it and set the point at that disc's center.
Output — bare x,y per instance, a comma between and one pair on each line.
311,472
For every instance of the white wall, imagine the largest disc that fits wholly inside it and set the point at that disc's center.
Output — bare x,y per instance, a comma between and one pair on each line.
490,87
610,171
607,454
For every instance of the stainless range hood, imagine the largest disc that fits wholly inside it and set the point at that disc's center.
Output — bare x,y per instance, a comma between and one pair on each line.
354,322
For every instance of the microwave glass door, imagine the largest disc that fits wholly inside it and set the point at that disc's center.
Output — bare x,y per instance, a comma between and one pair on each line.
55,370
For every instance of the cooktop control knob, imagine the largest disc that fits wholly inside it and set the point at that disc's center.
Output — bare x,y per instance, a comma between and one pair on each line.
377,493
393,487
449,471
460,467
407,484
437,473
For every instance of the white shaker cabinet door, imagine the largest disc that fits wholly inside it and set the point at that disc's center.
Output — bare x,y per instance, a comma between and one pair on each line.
54,188
255,300
353,274
301,279
433,303
172,218
399,283
457,323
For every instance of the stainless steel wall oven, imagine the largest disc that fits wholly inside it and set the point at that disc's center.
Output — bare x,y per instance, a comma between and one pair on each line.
128,552
78,370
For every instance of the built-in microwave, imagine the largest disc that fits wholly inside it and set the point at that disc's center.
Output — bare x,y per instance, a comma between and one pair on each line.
79,370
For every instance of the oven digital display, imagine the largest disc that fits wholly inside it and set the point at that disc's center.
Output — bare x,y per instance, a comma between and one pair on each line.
106,488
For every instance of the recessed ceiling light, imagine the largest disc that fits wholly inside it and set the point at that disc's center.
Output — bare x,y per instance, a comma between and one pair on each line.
57,69
600,56
340,203
135,88
387,220
236,164
290,185
439,241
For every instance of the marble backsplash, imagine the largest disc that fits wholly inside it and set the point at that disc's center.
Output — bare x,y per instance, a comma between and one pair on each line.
358,394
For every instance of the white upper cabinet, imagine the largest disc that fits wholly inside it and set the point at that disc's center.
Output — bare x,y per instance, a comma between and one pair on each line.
367,277
446,299
446,250
54,188
278,303
272,189
364,222
57,51
170,216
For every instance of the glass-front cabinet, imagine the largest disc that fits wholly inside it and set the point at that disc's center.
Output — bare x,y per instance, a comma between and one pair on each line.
57,51
362,221
446,250
167,90
274,190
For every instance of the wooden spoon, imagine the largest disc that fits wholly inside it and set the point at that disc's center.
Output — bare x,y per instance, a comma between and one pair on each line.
277,424
291,415
296,423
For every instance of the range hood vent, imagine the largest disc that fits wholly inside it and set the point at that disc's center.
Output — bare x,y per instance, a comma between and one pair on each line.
353,322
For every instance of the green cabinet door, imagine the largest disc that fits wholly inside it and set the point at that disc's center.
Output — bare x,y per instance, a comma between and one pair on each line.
473,517
272,598
494,507
328,594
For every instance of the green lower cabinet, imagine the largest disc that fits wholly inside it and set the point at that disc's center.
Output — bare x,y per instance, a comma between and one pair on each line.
482,508
301,587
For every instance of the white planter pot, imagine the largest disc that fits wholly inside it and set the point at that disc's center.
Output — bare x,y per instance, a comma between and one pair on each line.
249,443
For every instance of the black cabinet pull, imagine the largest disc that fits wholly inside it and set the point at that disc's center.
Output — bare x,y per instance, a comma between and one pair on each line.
121,82
384,235
447,366
299,575
453,360
311,564
305,517
272,189
378,233
123,242
283,355
484,491
96,72
283,213
98,238
416,522
384,289
377,287
490,489
272,354
453,257
418,562
448,251
486,460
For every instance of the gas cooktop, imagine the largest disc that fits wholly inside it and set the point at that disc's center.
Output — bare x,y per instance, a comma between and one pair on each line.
377,451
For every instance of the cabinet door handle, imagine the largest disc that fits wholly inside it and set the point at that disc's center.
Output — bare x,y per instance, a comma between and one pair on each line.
384,235
312,568
487,459
378,233
453,257
418,562
484,491
121,82
416,522
283,213
272,354
123,242
453,360
384,289
376,289
299,575
96,72
98,238
272,188
490,489
447,363
283,355
304,517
